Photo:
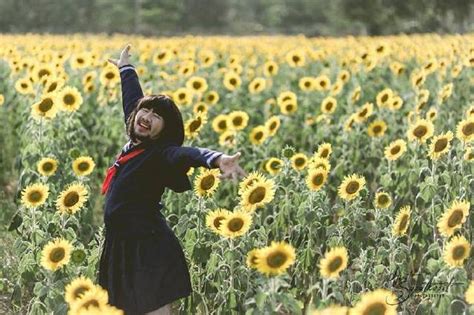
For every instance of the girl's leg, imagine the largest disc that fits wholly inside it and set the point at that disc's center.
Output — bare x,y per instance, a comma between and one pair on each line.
164,310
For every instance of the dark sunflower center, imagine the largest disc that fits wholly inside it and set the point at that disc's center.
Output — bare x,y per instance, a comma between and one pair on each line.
395,149
45,105
377,129
110,75
329,106
80,290
420,131
83,166
275,165
363,113
440,145
52,87
43,72
161,56
47,167
69,99
217,222
273,125
222,124
258,135
458,252
233,81
322,83
57,255
35,196
299,161
195,124
24,85
318,179
455,218
289,107
403,223
207,182
257,85
181,96
377,308
468,129
257,195
352,187
237,121
324,153
197,85
296,59
80,60
307,83
335,264
270,68
71,199
276,260
235,224
210,97
383,199
384,98
90,303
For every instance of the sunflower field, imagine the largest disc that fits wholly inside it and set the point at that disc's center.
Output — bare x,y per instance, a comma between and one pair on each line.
359,153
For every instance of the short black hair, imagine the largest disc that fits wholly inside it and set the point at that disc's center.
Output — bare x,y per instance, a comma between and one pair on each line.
163,105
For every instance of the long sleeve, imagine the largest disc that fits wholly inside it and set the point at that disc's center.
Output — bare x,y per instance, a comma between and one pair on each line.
187,157
131,90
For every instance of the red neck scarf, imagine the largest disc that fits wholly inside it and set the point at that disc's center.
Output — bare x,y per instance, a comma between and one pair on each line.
123,158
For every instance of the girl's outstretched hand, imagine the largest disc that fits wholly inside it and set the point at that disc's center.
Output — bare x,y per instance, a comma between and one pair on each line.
229,167
124,57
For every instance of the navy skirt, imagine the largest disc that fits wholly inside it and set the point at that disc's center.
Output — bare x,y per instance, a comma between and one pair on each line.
142,264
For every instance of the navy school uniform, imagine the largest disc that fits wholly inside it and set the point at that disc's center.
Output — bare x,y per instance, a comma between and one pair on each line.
142,264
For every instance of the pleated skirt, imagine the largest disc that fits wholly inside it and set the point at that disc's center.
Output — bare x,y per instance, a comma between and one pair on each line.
142,264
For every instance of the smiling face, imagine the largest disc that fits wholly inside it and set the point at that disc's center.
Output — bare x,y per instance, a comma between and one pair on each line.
148,124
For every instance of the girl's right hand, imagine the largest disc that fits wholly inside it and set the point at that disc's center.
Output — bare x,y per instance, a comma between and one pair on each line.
124,55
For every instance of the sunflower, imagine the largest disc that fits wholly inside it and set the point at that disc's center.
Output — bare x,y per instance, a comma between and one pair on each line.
273,124
382,200
197,84
453,218
400,226
232,81
276,258
221,123
162,57
24,86
183,96
70,99
273,165
258,135
109,76
206,182
56,254
395,149
349,122
431,114
47,107
421,130
331,310
194,125
337,87
286,96
469,295
417,79
228,138
299,161
80,61
465,129
47,166
470,111
211,97
316,178
364,112
257,194
322,83
207,58
238,119
324,150
236,224
83,165
469,154
440,145
89,77
42,71
377,128
214,219
328,105
2,99
53,84
257,85
377,302
344,75
252,258
288,107
319,162
355,94
351,186
383,97
248,180
395,103
72,198
306,84
76,288
456,251
295,58
334,261
93,299
200,107
34,195
270,68
397,68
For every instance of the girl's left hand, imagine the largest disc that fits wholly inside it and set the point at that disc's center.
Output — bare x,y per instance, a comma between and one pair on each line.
229,167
